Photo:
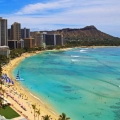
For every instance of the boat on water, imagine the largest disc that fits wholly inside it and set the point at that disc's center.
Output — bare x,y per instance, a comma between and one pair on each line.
18,78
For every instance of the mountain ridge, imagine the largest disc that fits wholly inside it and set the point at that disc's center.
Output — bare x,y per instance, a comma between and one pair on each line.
88,35
89,31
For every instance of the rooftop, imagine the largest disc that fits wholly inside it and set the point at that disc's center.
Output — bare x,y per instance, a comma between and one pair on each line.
3,47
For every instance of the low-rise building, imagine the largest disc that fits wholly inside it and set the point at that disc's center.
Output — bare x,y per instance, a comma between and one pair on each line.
12,44
29,42
4,50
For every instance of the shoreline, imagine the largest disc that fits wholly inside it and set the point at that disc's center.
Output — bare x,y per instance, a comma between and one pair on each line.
33,99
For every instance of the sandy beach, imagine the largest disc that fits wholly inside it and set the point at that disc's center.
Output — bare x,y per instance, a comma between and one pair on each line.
23,96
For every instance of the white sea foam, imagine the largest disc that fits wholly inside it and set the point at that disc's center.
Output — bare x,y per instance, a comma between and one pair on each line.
83,51
74,60
41,102
36,98
52,111
74,56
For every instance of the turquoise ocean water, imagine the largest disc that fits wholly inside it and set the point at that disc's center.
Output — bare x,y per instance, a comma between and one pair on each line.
81,82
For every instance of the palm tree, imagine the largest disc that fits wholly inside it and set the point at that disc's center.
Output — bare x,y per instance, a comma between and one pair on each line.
63,117
34,108
46,117
2,99
1,102
0,74
3,91
38,112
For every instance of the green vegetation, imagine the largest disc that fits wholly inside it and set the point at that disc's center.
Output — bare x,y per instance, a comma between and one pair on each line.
87,36
46,117
34,108
93,42
0,76
3,59
8,112
38,113
63,117
16,53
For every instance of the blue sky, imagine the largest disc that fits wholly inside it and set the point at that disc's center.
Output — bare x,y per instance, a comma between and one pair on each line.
57,14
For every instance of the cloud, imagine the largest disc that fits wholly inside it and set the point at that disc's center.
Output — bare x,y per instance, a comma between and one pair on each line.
40,7
67,5
68,13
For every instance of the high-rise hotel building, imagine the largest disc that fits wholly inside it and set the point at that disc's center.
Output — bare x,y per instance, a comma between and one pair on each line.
3,32
16,31
25,33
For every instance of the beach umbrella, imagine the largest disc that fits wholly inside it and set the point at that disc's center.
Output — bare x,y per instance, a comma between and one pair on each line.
8,80
3,76
12,82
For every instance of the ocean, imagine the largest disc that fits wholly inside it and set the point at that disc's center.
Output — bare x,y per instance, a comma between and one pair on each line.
81,82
